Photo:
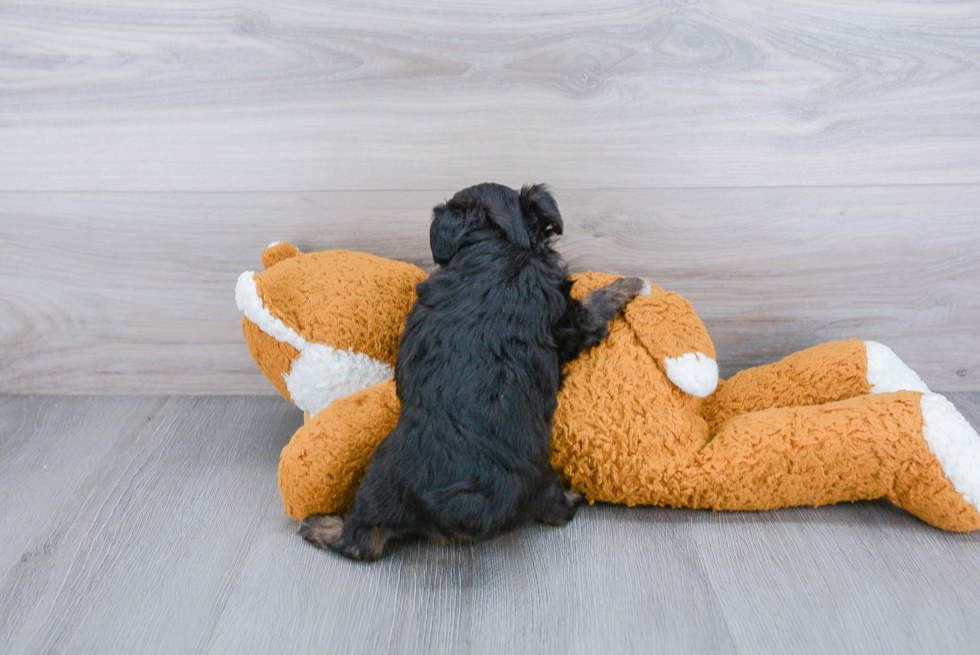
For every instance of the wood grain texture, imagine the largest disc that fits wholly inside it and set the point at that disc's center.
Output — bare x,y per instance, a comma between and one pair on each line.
146,532
432,94
802,172
134,293
167,537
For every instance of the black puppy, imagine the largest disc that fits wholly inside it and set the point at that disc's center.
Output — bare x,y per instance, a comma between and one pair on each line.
478,373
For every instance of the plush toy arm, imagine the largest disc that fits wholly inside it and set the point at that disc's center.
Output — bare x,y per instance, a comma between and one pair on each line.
675,337
324,462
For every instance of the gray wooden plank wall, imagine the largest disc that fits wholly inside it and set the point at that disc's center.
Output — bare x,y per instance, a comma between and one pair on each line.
801,171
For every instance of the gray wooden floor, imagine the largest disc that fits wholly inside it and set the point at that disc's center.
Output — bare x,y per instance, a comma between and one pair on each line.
153,525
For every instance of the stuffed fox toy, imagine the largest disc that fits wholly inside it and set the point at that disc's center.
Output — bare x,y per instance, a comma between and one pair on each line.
642,418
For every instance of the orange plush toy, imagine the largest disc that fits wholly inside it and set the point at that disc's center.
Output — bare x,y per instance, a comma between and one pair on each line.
642,418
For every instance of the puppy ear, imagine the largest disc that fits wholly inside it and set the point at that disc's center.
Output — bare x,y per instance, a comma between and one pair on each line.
540,209
472,208
506,214
446,232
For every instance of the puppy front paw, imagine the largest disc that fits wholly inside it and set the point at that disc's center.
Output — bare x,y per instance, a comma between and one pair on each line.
628,288
606,302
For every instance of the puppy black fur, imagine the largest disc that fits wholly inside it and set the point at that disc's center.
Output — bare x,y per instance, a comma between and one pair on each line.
478,374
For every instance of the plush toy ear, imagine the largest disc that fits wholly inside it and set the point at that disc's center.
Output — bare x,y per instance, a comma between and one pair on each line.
540,209
278,251
446,232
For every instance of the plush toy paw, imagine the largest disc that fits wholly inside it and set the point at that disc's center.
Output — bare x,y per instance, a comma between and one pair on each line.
887,372
693,373
955,444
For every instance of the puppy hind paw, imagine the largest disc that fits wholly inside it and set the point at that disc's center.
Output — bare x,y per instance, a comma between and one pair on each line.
560,508
558,517
323,531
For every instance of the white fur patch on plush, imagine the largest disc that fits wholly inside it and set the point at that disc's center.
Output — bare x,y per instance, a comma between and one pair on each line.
693,373
647,289
249,303
887,372
321,374
955,444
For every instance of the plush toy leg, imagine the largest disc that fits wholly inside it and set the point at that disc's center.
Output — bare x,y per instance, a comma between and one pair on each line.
321,467
821,374
914,449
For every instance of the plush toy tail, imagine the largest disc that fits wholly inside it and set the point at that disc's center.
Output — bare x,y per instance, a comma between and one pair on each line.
914,449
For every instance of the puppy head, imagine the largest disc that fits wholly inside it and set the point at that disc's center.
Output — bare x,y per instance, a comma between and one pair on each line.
527,219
